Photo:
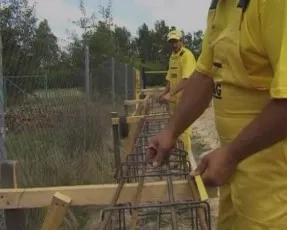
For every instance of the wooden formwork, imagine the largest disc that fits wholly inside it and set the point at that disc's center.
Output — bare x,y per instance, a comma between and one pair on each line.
58,199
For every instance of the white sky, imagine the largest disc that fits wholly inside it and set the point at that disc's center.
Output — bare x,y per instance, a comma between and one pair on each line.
189,15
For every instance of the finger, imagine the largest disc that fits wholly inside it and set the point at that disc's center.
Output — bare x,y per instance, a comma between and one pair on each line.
201,168
150,154
158,158
208,179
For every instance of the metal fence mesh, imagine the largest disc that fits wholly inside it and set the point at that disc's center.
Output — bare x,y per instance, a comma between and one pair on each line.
58,136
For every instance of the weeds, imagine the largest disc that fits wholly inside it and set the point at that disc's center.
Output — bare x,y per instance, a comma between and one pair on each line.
61,143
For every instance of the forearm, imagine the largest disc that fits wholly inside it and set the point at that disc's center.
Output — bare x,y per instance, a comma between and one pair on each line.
264,131
167,88
195,99
179,87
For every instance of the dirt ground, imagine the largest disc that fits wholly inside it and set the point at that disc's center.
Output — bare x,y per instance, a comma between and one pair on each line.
205,139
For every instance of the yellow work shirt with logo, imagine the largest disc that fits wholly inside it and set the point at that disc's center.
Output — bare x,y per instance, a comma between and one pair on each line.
181,66
263,46
247,75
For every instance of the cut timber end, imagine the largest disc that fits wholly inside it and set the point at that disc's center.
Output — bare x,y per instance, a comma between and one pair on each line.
56,212
92,194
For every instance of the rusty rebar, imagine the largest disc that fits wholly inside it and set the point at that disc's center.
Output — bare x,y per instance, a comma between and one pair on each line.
137,199
134,170
171,199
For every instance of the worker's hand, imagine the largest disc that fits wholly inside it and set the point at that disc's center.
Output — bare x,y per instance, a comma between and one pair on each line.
159,148
161,99
216,167
167,97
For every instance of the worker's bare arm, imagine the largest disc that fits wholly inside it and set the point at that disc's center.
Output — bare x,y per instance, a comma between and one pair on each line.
195,98
267,129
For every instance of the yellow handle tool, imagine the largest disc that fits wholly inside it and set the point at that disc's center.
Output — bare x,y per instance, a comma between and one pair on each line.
201,188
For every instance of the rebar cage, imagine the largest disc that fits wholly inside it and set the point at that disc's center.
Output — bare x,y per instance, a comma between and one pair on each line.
174,214
157,216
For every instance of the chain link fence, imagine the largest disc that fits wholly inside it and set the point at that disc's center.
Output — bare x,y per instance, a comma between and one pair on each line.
115,79
57,119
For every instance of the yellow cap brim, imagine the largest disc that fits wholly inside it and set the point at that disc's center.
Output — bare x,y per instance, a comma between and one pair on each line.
173,37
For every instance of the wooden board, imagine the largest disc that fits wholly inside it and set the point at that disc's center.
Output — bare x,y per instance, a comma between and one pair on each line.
56,212
152,90
134,102
135,124
136,119
93,194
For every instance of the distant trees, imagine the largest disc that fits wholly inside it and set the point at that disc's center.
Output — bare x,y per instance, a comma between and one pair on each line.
31,48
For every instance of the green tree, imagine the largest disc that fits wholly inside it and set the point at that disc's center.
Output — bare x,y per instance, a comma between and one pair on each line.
18,27
123,41
193,42
45,47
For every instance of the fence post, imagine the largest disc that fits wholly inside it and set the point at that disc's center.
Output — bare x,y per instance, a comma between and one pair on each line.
116,142
87,73
46,85
126,82
113,82
2,116
14,218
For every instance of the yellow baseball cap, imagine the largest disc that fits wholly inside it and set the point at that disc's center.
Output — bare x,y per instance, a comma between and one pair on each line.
174,34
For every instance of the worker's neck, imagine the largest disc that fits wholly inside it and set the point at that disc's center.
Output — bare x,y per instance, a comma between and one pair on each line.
178,50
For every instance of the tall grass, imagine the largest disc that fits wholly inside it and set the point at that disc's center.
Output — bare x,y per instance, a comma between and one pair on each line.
61,142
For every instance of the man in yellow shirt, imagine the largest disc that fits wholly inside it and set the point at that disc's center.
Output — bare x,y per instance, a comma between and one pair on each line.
181,65
243,67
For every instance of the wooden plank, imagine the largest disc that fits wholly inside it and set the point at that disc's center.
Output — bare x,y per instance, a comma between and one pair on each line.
156,72
14,218
116,141
136,119
56,212
136,126
93,194
134,102
152,90
129,143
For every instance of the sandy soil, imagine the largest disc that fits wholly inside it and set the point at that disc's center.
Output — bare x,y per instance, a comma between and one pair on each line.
204,134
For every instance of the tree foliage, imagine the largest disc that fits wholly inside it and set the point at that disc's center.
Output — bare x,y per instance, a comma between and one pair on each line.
31,48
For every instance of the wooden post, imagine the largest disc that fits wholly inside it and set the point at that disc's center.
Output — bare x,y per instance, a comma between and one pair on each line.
116,142
14,218
56,212
126,108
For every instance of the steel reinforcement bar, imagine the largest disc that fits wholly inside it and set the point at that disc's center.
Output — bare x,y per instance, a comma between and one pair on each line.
174,214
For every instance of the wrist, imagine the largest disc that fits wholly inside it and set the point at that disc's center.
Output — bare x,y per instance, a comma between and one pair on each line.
235,152
171,131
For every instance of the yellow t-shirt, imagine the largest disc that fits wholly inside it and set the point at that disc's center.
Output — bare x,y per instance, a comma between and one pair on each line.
181,66
263,42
